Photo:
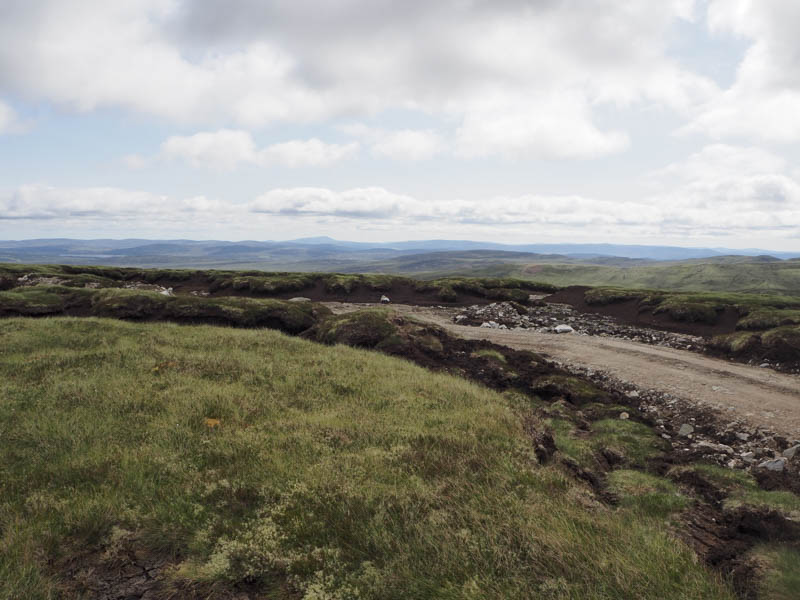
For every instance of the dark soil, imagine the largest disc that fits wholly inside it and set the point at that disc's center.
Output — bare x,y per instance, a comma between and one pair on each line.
128,572
632,312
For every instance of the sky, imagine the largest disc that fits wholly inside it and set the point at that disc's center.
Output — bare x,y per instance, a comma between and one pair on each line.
519,121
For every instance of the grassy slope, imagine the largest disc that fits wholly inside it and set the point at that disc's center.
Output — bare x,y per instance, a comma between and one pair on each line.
754,277
333,472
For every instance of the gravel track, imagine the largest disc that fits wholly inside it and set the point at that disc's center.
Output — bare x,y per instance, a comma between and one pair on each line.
760,396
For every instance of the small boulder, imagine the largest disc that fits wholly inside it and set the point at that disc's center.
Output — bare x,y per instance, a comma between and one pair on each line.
791,452
624,416
300,299
563,329
685,430
776,464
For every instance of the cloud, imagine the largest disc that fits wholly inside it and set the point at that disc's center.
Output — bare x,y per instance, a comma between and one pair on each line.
306,153
559,128
763,101
400,144
728,191
359,203
40,202
731,208
9,121
226,149
247,64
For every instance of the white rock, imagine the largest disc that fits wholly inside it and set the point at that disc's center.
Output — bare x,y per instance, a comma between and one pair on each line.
300,299
563,329
624,416
776,464
385,300
685,430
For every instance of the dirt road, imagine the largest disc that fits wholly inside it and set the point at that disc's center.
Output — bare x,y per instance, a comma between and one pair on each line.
761,396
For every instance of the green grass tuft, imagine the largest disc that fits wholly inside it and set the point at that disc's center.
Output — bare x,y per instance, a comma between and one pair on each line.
646,494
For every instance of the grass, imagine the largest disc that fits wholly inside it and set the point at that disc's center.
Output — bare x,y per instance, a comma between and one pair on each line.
634,441
753,277
742,489
780,576
781,342
769,318
489,353
144,305
363,328
305,470
646,494
266,283
576,390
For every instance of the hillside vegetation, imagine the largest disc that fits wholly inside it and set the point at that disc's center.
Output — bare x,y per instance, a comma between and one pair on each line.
275,284
747,276
227,459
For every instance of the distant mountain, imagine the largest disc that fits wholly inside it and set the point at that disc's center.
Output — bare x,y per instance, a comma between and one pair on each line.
327,254
571,250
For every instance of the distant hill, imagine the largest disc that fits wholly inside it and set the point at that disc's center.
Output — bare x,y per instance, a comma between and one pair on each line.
324,253
559,264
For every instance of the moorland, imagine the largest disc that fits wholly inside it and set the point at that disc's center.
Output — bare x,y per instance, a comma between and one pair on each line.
185,433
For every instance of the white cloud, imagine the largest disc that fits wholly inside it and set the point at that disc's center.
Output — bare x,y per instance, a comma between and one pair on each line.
560,127
41,202
359,203
409,144
247,63
9,121
306,153
399,144
728,209
226,149
764,101
223,149
728,191
722,161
